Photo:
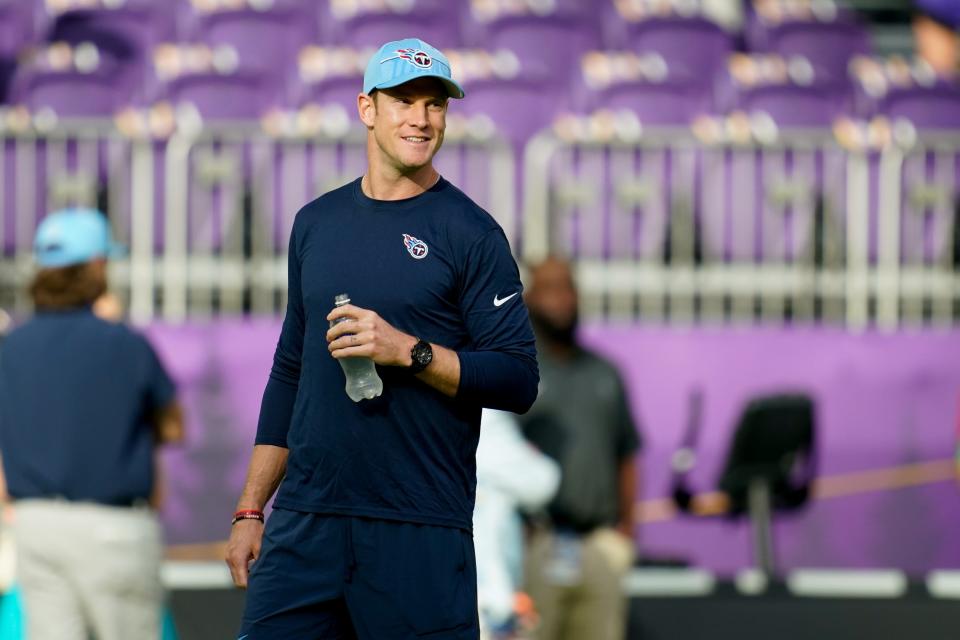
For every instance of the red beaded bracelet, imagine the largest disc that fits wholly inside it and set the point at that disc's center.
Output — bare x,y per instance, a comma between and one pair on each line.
247,514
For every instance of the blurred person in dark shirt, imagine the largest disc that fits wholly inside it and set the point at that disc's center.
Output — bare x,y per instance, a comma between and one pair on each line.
84,402
582,420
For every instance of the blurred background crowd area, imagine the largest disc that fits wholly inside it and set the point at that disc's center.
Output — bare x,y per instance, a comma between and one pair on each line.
664,62
715,160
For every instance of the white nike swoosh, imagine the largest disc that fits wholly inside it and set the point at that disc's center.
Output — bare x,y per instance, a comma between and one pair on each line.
497,301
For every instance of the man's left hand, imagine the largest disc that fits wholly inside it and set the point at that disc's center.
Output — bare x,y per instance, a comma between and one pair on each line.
366,334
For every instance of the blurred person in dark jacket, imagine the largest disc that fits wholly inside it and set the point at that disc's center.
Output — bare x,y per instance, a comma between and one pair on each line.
84,402
582,420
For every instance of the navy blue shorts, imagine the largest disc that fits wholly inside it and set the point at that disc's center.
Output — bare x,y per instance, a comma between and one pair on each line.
323,577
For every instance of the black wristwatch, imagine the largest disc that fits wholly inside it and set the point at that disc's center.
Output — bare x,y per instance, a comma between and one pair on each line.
421,356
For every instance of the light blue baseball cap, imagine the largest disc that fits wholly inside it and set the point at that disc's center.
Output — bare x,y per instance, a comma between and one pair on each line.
74,236
401,61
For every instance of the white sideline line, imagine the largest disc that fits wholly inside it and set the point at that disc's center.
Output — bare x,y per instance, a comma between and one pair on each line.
669,583
944,584
176,574
829,583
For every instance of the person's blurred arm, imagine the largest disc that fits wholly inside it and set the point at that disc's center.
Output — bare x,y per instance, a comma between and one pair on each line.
628,447
629,490
168,424
509,464
168,428
166,420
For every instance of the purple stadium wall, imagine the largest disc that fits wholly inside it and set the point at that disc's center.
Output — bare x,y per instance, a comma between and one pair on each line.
883,401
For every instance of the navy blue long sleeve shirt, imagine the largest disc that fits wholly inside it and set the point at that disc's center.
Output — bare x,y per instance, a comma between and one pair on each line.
435,266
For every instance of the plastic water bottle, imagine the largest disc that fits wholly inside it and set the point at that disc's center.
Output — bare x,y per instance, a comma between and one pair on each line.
363,383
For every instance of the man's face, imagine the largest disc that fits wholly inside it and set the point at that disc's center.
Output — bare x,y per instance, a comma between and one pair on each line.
552,300
407,122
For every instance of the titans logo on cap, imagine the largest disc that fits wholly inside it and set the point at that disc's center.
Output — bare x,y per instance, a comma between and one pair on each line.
416,57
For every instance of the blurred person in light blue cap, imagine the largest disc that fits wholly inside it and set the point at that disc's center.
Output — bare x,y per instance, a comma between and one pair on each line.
370,532
84,404
74,236
71,248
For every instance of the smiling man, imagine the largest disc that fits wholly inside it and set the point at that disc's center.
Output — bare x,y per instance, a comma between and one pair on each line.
370,535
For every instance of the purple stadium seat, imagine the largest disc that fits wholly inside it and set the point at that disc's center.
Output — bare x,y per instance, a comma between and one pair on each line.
765,16
331,75
671,103
828,46
549,46
791,105
16,26
143,25
216,96
373,29
341,91
369,23
788,91
69,93
518,107
899,88
73,82
695,48
643,84
126,33
265,40
936,107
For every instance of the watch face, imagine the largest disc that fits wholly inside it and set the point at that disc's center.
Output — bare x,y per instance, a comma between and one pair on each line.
422,354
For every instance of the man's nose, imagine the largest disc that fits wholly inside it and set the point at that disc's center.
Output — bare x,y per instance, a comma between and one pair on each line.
418,116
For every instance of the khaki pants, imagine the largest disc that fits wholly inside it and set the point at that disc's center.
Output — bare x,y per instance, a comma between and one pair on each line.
587,603
88,569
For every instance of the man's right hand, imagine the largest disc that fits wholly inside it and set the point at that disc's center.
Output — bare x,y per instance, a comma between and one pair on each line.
243,548
267,466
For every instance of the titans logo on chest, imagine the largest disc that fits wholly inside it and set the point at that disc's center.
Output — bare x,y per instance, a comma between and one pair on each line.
416,248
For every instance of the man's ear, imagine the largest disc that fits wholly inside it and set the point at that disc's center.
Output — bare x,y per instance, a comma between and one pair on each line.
367,108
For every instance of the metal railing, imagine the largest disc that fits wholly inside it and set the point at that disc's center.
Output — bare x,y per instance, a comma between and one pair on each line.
798,230
207,213
661,228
